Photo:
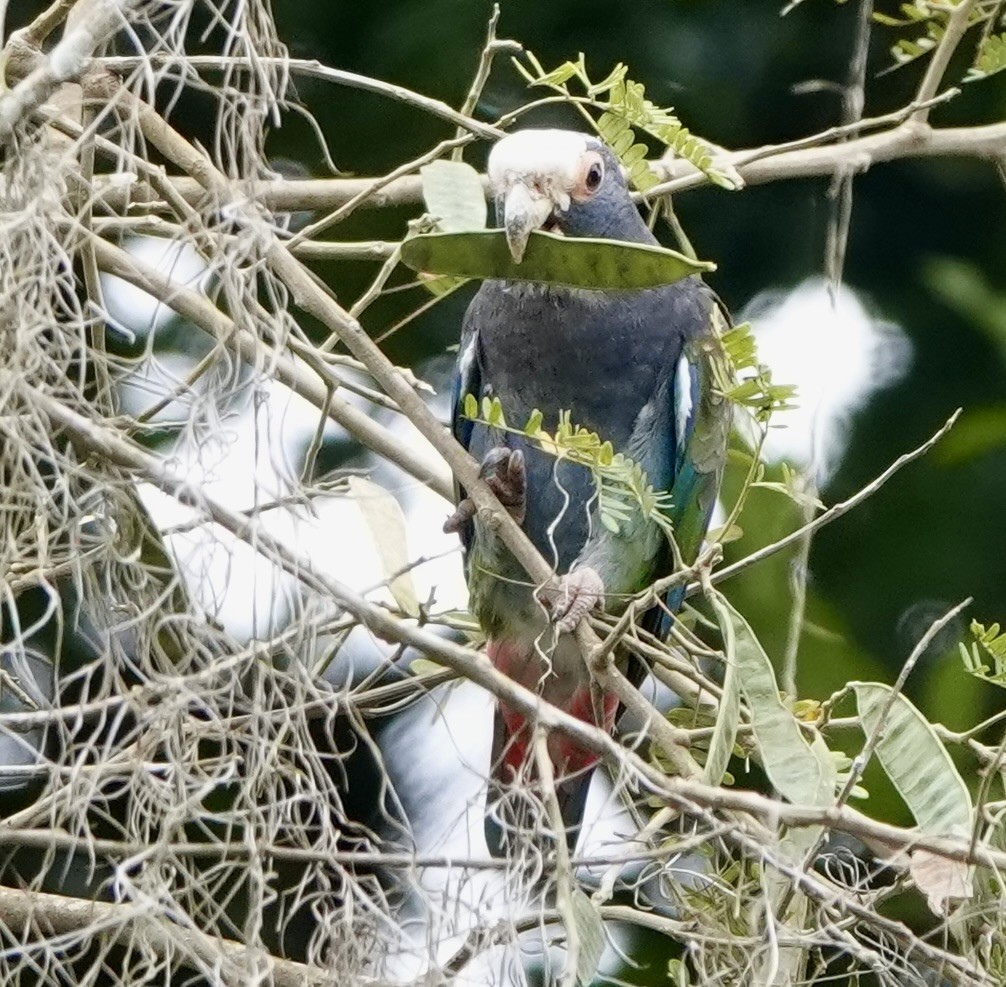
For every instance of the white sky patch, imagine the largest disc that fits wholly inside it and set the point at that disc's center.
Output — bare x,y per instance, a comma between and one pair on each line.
839,355
251,456
132,307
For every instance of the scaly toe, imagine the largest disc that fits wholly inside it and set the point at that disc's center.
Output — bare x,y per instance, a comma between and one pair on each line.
579,592
464,512
504,471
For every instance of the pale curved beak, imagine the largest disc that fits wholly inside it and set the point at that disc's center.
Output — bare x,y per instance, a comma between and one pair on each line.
524,210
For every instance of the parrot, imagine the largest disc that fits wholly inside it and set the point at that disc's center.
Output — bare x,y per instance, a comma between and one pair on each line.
637,367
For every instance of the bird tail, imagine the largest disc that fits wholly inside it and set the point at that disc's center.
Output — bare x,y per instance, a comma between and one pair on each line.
515,812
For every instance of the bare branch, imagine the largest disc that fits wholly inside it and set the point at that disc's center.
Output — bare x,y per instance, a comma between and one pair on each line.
61,916
957,24
97,21
757,166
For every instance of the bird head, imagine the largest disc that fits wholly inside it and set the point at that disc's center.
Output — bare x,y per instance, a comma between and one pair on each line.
561,181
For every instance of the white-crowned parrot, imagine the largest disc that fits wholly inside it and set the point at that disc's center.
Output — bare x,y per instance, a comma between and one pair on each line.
633,366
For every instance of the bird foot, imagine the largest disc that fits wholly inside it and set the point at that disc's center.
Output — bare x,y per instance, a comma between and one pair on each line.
505,474
504,471
579,592
463,513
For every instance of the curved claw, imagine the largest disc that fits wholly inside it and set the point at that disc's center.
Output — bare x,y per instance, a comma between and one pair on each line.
464,513
505,472
579,592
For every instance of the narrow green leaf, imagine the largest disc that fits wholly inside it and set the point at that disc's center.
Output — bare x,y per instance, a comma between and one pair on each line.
604,265
386,523
439,285
424,666
590,933
608,520
724,737
915,760
495,416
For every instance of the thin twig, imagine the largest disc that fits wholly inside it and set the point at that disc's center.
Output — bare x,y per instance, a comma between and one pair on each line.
35,34
489,51
957,25
834,512
309,68
565,886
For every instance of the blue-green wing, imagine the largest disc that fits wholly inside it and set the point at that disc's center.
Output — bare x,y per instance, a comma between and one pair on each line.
698,429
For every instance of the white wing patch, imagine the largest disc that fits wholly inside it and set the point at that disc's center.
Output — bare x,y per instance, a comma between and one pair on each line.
466,361
683,400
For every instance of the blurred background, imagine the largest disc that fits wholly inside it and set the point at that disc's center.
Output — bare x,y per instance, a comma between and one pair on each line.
916,329
922,332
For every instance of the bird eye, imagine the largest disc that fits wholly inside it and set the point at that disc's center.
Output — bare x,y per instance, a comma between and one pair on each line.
592,180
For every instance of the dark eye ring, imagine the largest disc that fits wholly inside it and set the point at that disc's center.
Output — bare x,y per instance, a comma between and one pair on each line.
594,175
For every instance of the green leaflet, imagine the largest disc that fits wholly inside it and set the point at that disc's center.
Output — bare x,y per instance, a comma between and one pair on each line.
915,760
453,194
988,646
603,265
991,58
728,716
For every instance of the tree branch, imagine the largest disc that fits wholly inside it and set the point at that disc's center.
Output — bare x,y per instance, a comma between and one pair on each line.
316,384
95,23
957,24
59,915
91,437
312,69
757,166
834,512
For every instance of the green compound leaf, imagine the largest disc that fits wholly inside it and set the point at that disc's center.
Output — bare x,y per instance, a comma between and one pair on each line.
602,265
991,58
626,110
988,646
622,485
